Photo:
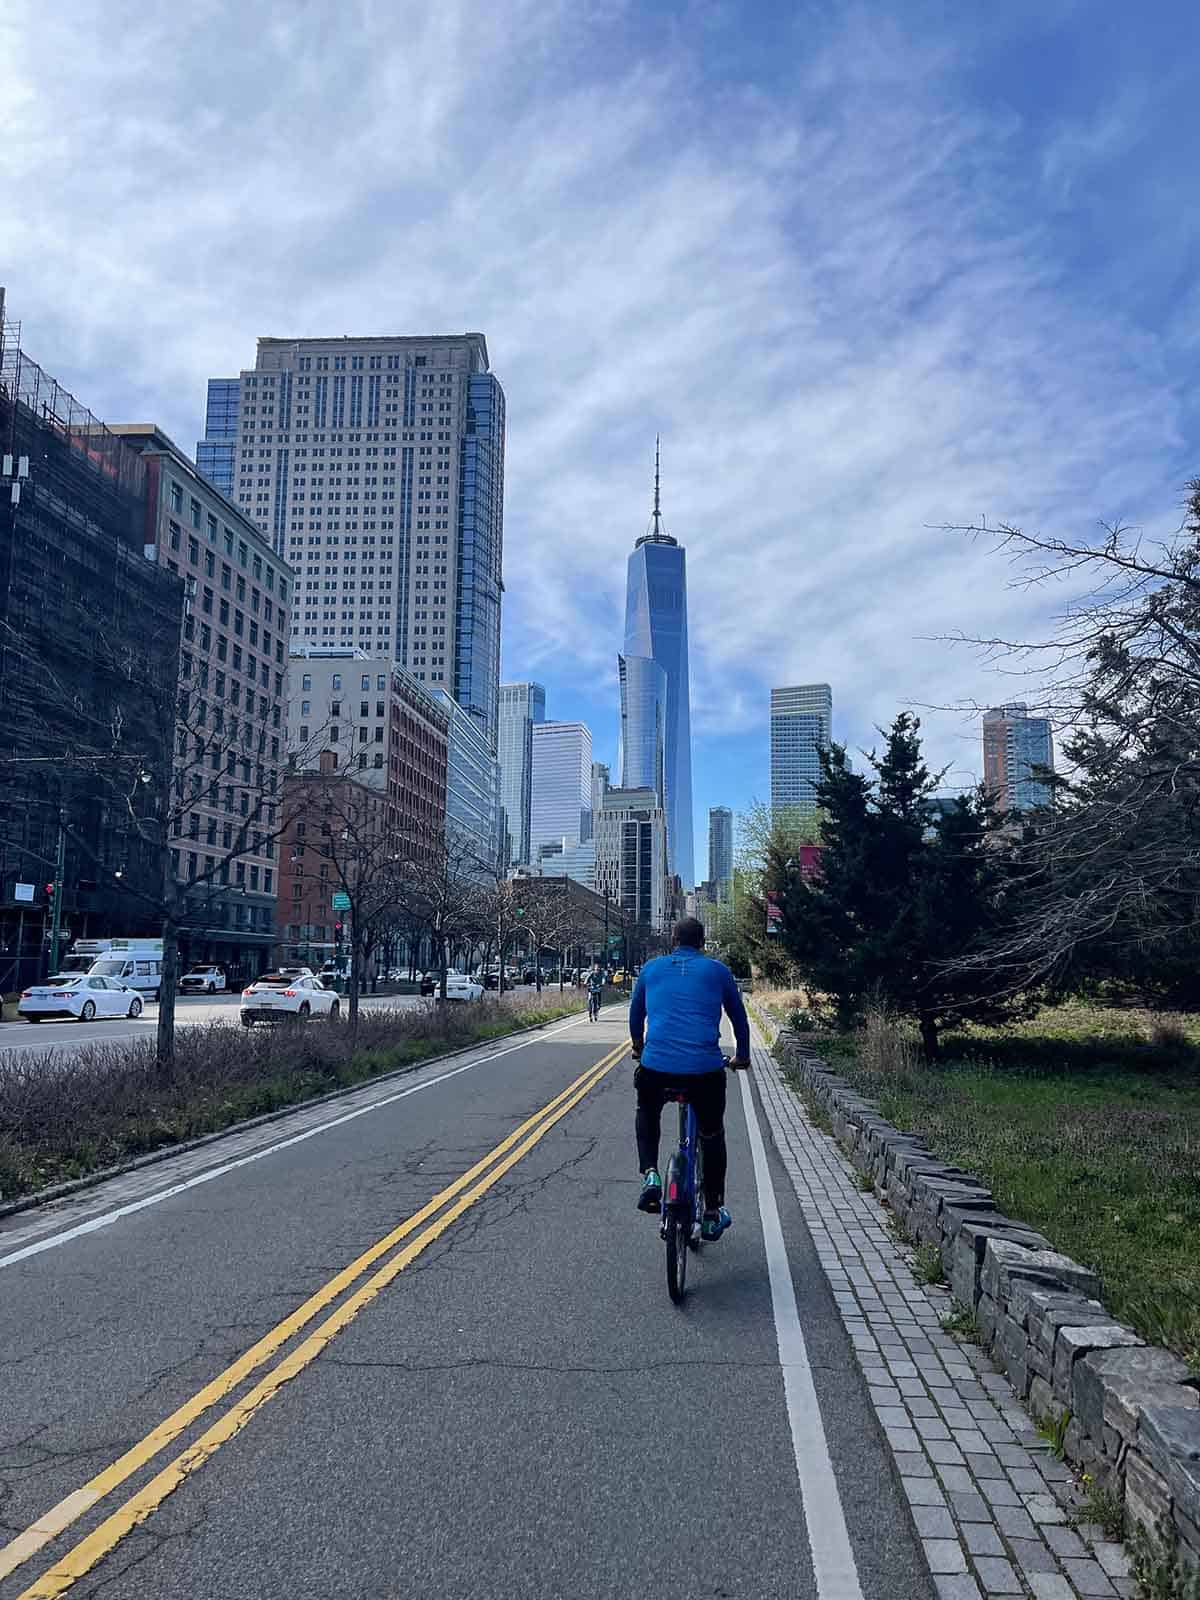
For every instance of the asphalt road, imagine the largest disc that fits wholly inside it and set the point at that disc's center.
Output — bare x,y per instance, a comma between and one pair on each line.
518,1411
189,1013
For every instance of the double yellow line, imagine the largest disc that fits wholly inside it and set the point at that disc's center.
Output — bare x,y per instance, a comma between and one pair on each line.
457,1198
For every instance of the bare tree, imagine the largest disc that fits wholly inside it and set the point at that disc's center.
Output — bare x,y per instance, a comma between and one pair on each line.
443,887
184,772
355,850
546,914
1106,877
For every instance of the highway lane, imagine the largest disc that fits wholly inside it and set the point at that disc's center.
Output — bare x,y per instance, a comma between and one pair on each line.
519,1410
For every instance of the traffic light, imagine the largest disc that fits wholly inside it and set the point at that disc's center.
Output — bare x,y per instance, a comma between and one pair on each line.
337,932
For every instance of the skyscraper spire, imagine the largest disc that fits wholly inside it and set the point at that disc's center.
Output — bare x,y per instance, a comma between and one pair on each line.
654,533
657,511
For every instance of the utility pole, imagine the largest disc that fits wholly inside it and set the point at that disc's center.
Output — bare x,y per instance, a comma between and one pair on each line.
60,856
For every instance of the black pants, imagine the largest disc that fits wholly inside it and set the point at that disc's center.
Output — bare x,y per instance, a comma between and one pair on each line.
706,1091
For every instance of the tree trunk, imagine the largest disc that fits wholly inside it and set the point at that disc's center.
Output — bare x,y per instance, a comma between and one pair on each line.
929,1036
168,982
353,986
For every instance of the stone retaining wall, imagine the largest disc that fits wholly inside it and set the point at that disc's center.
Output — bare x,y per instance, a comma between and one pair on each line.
1134,1413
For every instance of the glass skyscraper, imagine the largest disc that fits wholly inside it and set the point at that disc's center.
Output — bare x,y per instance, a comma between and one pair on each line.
656,628
561,791
472,787
522,707
216,451
643,723
801,727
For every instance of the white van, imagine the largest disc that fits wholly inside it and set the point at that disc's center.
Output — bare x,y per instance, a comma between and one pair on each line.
137,963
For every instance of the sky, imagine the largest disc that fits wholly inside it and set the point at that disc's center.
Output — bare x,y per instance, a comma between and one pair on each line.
869,269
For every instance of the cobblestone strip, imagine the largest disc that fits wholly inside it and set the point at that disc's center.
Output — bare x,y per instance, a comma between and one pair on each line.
990,1501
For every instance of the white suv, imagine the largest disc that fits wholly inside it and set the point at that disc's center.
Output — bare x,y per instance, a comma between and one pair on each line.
286,994
203,980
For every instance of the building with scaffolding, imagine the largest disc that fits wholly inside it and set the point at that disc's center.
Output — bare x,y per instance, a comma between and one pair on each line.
89,652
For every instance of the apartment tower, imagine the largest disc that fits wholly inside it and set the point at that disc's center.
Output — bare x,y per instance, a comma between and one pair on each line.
1015,746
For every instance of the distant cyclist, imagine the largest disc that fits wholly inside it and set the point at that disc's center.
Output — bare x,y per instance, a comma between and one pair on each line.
682,996
595,989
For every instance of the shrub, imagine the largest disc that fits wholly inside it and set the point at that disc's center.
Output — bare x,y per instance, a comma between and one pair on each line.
886,1047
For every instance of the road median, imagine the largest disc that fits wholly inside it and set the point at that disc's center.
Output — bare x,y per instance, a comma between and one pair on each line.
70,1120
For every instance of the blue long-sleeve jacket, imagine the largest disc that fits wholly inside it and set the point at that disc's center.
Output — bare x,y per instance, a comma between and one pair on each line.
683,995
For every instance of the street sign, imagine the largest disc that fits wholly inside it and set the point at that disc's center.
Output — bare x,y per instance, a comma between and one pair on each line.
341,900
23,891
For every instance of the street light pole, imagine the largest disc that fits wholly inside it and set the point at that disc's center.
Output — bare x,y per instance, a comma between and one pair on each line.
60,858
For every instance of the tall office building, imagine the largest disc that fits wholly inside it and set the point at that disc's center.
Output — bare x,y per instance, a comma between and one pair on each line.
643,686
631,856
522,707
215,453
1014,744
656,628
376,466
561,790
801,727
720,850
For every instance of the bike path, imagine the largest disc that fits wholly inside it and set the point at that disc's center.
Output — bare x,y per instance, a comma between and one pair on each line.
521,1411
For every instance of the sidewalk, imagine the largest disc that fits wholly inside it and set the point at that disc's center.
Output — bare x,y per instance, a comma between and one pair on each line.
989,1499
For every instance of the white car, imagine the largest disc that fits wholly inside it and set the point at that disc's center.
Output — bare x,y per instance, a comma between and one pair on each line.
85,997
460,987
278,996
203,980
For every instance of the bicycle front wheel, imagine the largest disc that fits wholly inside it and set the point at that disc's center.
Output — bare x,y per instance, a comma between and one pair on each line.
678,1229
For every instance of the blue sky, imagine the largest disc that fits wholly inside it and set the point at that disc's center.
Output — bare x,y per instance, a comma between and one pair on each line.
868,268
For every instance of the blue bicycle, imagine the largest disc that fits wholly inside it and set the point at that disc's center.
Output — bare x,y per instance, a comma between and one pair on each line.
683,1198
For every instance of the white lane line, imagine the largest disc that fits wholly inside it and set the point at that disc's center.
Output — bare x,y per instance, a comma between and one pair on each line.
828,1539
107,1218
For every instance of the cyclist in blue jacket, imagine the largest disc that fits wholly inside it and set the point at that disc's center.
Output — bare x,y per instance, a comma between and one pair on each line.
675,1029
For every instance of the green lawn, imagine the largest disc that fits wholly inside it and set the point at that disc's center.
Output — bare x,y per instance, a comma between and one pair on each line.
1084,1127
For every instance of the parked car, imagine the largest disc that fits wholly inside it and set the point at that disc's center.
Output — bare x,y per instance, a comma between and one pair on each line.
203,980
84,997
460,987
283,995
429,982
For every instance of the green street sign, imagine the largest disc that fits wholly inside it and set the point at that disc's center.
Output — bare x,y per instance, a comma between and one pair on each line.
341,901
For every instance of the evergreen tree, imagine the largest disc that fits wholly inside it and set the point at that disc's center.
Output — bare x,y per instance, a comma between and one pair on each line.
905,886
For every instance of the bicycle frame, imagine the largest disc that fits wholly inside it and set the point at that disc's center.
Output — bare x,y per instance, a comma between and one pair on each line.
681,1190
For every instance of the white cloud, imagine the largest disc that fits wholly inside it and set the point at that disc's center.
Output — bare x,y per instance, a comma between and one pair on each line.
829,296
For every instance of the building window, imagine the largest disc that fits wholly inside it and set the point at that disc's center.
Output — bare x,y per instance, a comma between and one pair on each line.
306,681
196,512
176,497
337,680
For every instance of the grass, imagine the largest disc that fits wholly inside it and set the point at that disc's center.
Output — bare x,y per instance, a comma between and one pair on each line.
1100,1508
960,1323
1053,1429
1085,1123
65,1116
927,1265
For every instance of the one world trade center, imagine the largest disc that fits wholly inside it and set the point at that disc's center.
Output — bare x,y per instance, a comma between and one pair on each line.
656,722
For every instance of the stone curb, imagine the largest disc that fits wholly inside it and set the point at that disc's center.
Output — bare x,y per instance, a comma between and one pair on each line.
1129,1413
91,1180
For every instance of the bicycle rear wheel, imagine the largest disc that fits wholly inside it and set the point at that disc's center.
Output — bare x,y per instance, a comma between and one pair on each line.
678,1229
698,1206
